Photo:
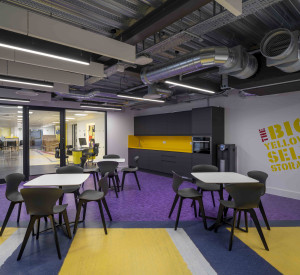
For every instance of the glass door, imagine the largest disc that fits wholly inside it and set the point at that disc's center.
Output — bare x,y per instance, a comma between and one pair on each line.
44,141
11,140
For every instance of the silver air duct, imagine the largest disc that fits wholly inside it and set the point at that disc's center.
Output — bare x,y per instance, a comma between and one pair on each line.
281,49
233,61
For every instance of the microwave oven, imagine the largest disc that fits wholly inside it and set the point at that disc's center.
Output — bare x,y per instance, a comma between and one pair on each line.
202,145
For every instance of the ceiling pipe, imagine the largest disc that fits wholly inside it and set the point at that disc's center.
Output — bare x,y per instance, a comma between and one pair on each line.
233,61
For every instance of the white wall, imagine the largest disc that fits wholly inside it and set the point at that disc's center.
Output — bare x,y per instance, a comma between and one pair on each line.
119,126
243,118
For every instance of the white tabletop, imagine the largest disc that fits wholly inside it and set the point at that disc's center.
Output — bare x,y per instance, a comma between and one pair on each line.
222,177
120,160
58,180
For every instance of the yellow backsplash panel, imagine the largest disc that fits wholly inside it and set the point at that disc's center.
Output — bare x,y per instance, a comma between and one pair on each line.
162,143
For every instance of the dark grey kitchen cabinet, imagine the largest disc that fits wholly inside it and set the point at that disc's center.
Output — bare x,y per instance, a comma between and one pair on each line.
162,161
202,121
179,124
172,124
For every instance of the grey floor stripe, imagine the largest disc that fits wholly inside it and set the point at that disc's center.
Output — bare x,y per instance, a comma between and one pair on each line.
196,262
11,244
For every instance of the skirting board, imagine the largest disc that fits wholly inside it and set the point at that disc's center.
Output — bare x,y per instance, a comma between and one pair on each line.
283,193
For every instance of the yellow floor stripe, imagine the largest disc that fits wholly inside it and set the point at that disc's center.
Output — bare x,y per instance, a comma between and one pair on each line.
7,233
123,251
284,245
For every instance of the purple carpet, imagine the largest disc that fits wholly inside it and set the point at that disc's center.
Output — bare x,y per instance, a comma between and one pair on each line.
154,201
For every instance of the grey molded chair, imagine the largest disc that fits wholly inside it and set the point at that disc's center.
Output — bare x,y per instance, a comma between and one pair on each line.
13,195
186,193
113,156
40,202
246,197
109,167
133,170
91,170
212,187
72,189
262,178
92,195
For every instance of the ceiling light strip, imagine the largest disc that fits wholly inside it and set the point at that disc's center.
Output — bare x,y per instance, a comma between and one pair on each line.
189,87
141,98
100,107
26,83
15,100
44,54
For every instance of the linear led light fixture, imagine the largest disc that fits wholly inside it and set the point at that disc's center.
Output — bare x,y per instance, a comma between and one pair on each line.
100,107
44,54
26,83
141,98
15,100
189,87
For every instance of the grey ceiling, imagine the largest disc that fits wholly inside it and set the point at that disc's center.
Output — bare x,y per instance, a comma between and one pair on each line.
208,26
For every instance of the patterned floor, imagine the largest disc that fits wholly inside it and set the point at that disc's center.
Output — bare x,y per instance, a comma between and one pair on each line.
141,239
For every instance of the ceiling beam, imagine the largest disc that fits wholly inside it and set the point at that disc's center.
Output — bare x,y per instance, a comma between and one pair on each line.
163,16
234,6
48,29
9,68
94,69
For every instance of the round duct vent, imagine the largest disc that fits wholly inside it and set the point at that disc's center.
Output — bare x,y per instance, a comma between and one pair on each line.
277,44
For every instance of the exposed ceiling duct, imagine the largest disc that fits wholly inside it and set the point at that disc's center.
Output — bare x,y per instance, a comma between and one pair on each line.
233,61
281,49
156,92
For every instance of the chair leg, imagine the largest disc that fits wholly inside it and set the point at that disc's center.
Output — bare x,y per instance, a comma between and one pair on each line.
19,212
246,220
95,183
202,211
106,208
194,202
66,219
195,209
9,211
45,219
256,222
77,216
55,236
109,183
97,177
38,228
173,205
115,187
123,180
102,216
213,198
84,211
27,235
232,229
239,219
178,213
262,211
137,180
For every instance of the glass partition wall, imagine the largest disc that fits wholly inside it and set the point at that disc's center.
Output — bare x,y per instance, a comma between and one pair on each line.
32,143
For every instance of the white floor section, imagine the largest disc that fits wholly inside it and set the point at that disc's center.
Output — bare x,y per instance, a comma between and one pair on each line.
11,244
196,262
